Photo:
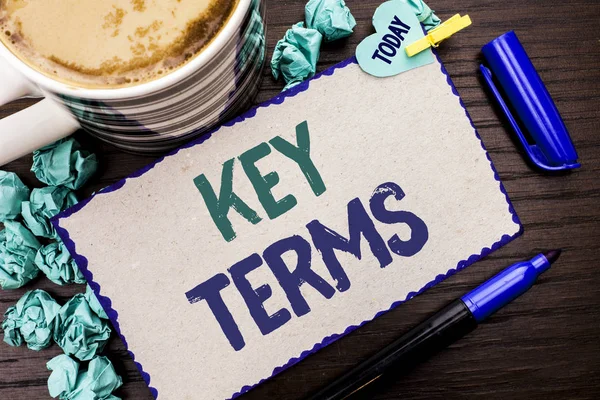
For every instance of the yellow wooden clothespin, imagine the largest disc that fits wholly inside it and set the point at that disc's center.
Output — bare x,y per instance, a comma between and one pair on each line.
436,35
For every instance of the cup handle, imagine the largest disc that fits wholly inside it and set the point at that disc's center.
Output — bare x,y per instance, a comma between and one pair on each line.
31,128
13,84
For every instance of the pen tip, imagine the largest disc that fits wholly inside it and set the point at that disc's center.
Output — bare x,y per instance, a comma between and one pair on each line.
552,255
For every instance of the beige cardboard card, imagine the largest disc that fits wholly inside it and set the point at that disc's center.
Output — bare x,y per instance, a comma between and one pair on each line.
241,254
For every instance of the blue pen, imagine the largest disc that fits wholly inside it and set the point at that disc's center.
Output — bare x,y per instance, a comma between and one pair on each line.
443,328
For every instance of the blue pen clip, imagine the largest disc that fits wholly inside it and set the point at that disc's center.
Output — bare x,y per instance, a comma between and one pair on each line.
509,64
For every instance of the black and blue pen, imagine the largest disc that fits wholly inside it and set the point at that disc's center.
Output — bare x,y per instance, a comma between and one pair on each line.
443,328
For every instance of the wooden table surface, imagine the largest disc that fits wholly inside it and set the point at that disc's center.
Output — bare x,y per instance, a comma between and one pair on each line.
546,345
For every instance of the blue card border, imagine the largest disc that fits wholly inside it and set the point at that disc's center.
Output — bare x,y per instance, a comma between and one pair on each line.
106,303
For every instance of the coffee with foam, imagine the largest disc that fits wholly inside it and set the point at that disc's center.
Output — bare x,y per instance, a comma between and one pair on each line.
113,43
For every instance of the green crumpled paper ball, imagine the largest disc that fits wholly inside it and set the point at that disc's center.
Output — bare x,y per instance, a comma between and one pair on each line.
44,203
95,305
56,262
64,163
68,382
424,14
296,55
31,320
330,17
79,331
18,248
10,327
12,193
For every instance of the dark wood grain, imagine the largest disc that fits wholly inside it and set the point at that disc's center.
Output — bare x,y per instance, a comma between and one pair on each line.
546,345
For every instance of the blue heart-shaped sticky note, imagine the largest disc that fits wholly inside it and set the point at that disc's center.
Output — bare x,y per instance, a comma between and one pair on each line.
383,53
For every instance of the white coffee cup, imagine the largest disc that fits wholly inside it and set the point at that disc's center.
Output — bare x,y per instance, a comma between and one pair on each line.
151,117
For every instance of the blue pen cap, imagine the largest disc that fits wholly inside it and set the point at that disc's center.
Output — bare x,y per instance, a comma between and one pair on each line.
523,91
